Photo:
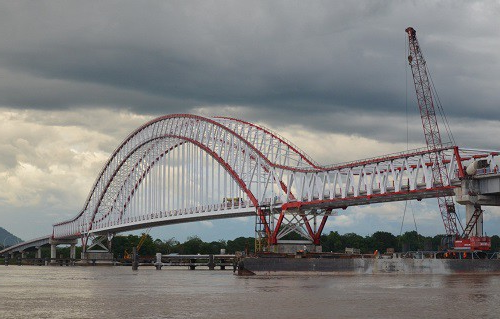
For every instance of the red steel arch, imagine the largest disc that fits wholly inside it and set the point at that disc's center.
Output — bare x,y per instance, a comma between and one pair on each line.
182,126
267,169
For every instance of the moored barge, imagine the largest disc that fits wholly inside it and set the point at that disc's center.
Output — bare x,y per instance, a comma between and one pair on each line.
452,262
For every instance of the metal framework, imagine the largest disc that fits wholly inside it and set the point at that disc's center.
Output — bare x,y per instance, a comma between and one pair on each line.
431,129
181,168
472,222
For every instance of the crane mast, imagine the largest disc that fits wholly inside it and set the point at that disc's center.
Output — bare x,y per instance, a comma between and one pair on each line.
431,129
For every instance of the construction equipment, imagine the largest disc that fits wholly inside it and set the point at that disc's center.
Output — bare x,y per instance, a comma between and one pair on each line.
469,242
127,255
433,140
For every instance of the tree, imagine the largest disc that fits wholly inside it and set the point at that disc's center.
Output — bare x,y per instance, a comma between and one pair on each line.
213,247
148,247
382,240
192,246
166,247
495,243
410,241
120,244
353,240
332,242
240,244
64,251
437,242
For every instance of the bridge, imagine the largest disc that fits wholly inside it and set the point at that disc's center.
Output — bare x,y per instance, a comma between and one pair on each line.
183,168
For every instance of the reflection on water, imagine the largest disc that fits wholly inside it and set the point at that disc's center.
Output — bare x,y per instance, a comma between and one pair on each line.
118,292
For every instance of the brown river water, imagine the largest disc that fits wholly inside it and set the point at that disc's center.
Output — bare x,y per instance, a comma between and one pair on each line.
119,292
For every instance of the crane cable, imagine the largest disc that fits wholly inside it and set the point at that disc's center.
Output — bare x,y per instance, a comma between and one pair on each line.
407,134
446,126
407,147
441,111
403,220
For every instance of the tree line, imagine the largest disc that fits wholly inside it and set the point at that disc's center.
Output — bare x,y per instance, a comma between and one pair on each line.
332,242
122,245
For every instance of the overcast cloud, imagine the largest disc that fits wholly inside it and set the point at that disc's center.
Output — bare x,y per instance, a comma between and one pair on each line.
76,77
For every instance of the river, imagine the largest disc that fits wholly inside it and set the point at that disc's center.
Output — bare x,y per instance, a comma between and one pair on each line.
119,292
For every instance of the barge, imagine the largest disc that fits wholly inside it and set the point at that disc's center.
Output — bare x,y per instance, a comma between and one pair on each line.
342,264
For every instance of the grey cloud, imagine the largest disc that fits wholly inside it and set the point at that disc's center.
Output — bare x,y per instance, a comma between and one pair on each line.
325,67
171,57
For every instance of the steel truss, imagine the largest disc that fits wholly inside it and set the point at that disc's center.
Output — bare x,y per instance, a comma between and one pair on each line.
183,168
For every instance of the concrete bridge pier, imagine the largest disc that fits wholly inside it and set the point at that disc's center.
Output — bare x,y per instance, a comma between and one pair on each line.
98,250
53,245
8,257
38,252
478,192
53,253
158,263
72,251
72,254
469,212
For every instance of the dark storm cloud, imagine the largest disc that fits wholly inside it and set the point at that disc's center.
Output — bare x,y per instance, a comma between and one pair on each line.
313,62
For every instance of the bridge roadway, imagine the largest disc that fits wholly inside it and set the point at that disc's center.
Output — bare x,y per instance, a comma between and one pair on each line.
37,244
485,186
483,189
184,168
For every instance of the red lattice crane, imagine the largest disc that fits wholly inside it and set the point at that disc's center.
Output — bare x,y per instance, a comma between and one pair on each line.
431,129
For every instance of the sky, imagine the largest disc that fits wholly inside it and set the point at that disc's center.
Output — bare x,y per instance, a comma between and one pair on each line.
76,77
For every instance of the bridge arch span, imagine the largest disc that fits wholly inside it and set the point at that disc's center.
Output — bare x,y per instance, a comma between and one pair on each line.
181,168
179,165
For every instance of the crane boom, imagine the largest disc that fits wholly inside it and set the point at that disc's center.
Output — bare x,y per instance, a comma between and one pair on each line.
431,129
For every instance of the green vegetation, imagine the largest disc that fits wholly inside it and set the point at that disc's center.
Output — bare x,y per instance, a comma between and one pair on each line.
333,242
382,240
193,245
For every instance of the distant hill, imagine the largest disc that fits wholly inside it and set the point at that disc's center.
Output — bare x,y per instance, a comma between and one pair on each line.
7,238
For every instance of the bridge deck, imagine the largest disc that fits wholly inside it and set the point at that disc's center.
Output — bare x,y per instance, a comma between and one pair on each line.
26,245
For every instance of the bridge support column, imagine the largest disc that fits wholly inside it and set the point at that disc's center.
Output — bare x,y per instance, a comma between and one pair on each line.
477,230
135,259
97,251
158,263
303,223
211,262
53,253
39,252
72,251
23,255
475,193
